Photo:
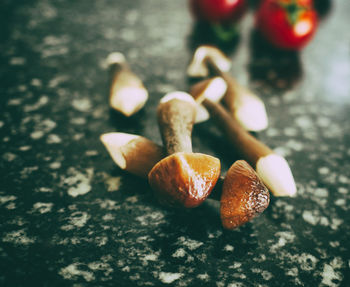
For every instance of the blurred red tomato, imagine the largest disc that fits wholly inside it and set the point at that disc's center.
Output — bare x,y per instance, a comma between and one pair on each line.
217,10
287,24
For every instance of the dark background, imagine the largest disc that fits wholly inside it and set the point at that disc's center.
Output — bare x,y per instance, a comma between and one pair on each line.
54,107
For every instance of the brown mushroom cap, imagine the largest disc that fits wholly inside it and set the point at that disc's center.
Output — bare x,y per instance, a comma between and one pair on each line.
244,196
184,179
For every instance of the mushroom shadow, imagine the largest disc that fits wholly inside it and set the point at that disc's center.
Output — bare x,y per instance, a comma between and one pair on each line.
274,68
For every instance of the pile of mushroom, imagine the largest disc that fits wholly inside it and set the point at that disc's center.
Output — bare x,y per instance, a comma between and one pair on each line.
180,178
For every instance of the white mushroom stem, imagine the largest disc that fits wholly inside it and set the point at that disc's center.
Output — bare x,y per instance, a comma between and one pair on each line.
198,65
132,153
272,168
244,105
213,89
127,92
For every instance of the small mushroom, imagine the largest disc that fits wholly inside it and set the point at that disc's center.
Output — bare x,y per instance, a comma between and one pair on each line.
183,178
133,153
198,67
243,195
213,89
244,105
272,168
241,192
127,93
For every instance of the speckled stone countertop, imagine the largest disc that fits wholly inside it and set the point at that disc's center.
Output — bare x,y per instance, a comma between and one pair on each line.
70,217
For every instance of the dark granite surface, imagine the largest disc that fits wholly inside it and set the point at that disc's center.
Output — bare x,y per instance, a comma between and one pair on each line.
70,217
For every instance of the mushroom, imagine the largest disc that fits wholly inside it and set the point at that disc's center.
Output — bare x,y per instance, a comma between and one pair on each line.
183,178
271,167
244,105
198,67
243,195
133,153
127,93
214,89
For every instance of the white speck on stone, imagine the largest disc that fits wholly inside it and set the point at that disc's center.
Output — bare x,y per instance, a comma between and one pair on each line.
323,122
235,284
78,121
101,266
272,132
78,136
295,145
126,269
45,189
290,131
236,265
48,125
284,237
154,218
132,199
340,202
165,88
72,271
17,61
151,257
55,165
57,81
42,207
344,179
11,206
18,237
25,148
323,170
6,198
53,139
179,253
128,34
283,151
113,183
336,222
37,135
167,277
79,182
307,262
304,122
228,247
132,16
82,105
91,152
309,217
36,82
77,219
189,243
203,277
334,244
321,192
9,156
40,103
293,272
266,275
330,273
342,190
274,101
14,102
108,217
324,221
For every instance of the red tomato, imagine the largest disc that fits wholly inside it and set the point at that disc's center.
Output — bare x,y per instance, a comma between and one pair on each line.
287,24
217,10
